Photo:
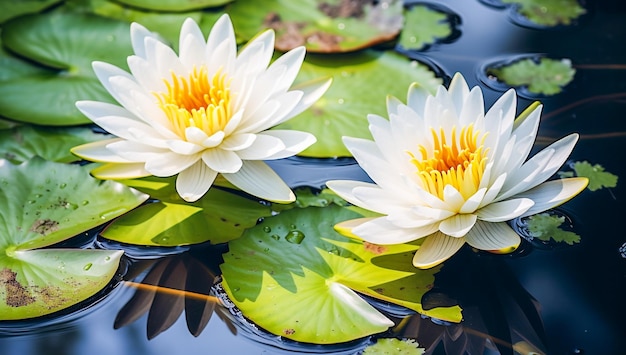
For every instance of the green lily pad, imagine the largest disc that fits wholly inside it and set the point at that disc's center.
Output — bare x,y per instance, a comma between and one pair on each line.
545,226
321,26
23,142
296,277
361,82
546,76
43,203
217,217
389,346
68,43
166,24
423,26
11,9
12,67
174,5
598,177
548,12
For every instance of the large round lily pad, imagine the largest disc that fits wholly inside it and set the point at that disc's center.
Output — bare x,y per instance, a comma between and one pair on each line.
321,26
67,43
174,5
361,83
43,203
218,217
11,9
296,277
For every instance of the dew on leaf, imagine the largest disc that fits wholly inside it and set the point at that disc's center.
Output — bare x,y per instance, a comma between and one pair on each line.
294,237
267,229
87,266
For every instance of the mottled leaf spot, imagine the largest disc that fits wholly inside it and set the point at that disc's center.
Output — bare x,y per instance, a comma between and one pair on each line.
44,226
16,294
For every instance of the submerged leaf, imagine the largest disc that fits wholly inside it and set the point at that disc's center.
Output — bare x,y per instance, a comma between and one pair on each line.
547,76
393,346
545,226
548,12
218,217
598,178
361,81
423,26
65,45
296,277
43,203
320,26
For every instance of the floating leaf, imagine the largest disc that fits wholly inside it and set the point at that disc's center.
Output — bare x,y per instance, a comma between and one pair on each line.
11,9
361,82
295,276
598,178
43,203
423,26
548,12
12,67
174,5
218,217
545,226
23,142
546,76
67,42
393,346
320,26
305,197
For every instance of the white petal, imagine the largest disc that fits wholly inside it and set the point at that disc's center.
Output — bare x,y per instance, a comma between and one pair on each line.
345,188
458,225
504,210
193,182
98,152
553,193
493,190
416,98
120,171
263,147
379,200
214,140
436,249
238,141
168,164
183,147
453,198
294,141
291,61
495,237
258,179
233,123
135,151
311,92
472,203
191,44
459,91
222,31
195,135
345,227
144,73
408,218
106,71
138,34
382,231
222,161
393,104
256,54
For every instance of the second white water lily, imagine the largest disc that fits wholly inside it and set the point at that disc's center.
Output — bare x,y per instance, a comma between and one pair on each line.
201,113
447,171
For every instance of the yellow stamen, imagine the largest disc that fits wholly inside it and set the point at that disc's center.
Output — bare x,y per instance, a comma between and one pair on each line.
197,101
460,163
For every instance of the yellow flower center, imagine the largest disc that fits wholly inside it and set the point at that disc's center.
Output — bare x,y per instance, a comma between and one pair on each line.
197,101
460,163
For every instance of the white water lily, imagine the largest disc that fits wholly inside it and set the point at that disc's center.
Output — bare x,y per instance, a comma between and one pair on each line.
203,112
446,171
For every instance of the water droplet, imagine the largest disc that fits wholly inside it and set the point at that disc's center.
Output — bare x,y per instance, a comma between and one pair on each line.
341,26
275,236
30,202
113,213
38,195
294,237
63,185
107,258
164,239
266,250
85,203
333,250
340,101
87,267
267,229
293,226
236,289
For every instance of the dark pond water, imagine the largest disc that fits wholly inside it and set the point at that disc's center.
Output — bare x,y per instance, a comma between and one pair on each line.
566,299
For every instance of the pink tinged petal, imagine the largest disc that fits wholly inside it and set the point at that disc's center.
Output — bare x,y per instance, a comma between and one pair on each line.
238,141
263,147
553,193
191,44
504,210
193,182
258,179
345,188
458,225
135,151
547,166
168,164
472,203
222,161
138,35
416,98
436,249
294,141
494,237
98,152
381,231
184,148
117,171
345,227
311,92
